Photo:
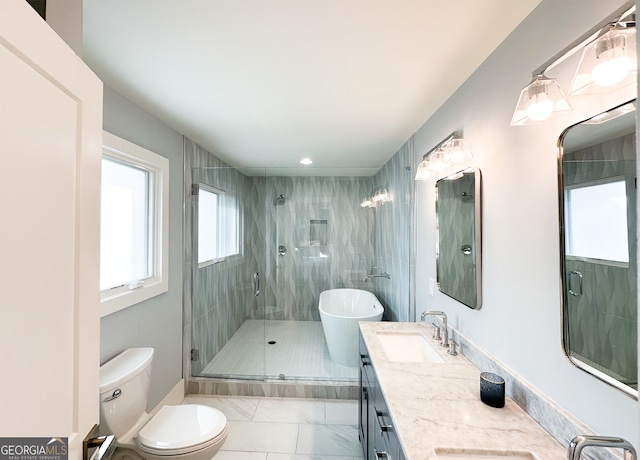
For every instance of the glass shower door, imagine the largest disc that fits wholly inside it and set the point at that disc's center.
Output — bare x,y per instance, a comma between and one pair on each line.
227,280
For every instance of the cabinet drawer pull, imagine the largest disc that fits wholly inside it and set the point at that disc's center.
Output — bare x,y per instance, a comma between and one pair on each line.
384,454
383,427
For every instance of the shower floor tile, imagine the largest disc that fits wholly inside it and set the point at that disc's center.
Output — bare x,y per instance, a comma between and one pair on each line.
299,352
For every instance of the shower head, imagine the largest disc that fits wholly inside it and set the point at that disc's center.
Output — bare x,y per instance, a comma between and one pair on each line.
280,200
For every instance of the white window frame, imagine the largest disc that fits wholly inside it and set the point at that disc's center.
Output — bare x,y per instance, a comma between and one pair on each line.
121,150
238,233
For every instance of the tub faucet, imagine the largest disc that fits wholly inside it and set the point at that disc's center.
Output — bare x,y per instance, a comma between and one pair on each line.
580,442
383,275
445,331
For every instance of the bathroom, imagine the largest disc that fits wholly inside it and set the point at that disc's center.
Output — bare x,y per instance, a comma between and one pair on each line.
519,322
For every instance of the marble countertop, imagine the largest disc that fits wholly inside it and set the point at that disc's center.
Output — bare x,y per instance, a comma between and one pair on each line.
437,406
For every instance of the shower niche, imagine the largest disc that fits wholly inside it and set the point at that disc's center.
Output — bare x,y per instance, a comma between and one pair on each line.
318,232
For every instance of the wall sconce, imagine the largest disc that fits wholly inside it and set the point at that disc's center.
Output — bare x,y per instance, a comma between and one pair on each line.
453,150
379,195
608,62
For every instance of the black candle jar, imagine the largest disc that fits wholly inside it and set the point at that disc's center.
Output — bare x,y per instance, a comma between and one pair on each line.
492,389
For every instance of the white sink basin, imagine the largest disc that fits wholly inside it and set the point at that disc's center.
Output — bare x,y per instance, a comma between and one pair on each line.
482,454
408,347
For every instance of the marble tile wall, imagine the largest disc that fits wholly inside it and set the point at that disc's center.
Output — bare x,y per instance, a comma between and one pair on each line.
393,234
328,239
603,320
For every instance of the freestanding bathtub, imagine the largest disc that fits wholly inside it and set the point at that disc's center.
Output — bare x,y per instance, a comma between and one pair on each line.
340,311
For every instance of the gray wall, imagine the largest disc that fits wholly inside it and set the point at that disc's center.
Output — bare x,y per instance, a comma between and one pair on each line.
520,319
156,322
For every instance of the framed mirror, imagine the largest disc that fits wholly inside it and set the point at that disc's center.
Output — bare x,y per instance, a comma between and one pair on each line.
597,191
458,228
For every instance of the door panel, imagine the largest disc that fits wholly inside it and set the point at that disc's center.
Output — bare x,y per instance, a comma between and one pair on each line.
50,117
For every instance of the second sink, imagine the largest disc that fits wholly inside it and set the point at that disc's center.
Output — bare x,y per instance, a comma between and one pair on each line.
408,347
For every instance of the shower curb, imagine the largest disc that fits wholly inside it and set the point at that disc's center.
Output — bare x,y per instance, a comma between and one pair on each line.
275,388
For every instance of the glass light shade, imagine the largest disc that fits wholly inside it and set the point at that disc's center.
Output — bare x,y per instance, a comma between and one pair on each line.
423,172
607,63
538,100
458,151
437,161
381,195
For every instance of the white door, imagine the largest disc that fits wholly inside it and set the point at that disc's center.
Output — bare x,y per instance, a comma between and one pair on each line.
50,150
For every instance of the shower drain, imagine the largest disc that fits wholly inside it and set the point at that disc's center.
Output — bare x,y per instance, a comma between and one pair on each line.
271,342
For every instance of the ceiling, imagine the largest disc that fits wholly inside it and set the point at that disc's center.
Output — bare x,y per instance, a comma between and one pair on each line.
266,83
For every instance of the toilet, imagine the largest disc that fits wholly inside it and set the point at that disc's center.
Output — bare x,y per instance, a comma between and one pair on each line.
188,431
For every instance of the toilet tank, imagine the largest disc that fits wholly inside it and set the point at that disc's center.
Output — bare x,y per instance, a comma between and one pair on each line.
124,390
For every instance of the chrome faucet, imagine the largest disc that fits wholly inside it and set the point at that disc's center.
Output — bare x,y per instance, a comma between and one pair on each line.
445,331
580,442
383,275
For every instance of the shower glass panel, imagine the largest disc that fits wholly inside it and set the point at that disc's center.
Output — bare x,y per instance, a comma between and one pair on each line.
227,225
303,235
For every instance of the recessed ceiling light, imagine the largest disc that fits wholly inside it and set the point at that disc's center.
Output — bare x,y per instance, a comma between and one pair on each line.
306,161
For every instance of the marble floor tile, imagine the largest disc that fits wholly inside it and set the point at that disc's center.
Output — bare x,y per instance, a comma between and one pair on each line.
236,409
328,440
280,410
233,455
341,413
262,437
306,457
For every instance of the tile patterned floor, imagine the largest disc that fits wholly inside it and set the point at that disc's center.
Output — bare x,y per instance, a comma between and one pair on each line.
299,352
286,429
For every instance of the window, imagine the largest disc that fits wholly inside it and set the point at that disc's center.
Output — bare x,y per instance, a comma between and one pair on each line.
218,225
596,221
134,224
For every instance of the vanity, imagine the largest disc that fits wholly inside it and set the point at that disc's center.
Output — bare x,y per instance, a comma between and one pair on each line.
417,402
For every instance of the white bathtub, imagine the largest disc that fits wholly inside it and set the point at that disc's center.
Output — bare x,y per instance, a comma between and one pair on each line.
340,311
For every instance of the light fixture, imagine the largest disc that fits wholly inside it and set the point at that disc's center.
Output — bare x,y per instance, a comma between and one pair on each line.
608,59
453,150
538,100
379,195
306,161
366,202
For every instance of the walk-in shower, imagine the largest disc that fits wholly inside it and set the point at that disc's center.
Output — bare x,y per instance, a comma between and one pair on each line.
302,235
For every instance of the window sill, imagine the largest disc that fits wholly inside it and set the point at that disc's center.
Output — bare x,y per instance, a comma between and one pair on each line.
127,298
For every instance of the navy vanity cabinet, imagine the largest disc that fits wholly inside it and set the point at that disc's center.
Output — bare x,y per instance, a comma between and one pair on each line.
378,437
366,403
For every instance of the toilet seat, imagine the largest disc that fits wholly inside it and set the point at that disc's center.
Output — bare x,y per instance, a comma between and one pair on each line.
176,430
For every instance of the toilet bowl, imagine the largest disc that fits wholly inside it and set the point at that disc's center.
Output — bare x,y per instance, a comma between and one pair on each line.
188,431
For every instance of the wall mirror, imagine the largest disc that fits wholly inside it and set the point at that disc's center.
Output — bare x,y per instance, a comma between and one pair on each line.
597,178
458,227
